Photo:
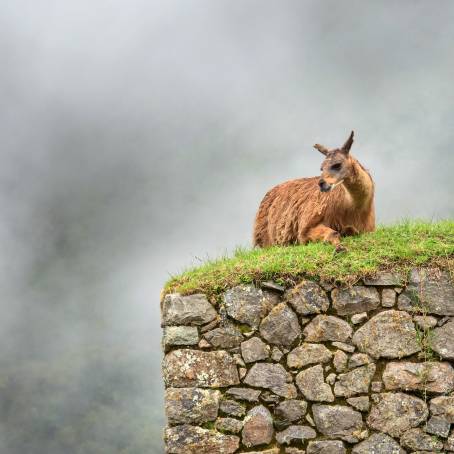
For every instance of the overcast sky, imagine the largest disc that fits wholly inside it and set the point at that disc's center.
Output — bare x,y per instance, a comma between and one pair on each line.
139,137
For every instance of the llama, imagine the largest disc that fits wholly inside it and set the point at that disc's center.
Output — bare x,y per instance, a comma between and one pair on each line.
339,203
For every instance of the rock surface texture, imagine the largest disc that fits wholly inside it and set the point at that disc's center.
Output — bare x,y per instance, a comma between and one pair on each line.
312,368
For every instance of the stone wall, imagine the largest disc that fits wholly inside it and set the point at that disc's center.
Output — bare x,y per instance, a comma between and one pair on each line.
312,369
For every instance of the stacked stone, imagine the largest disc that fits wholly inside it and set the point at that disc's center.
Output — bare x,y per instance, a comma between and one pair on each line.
313,369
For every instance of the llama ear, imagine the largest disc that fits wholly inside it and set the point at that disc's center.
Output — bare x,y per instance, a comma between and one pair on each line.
321,149
347,145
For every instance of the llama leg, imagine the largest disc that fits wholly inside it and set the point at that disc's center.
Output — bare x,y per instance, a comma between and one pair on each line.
350,231
323,233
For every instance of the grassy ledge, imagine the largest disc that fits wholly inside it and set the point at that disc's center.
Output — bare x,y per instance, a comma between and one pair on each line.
400,247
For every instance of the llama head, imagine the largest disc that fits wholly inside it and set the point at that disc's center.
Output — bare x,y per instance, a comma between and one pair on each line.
337,165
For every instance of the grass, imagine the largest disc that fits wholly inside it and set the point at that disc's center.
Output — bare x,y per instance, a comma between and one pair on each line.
400,247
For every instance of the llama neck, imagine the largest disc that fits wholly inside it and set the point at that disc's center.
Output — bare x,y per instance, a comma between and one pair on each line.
359,185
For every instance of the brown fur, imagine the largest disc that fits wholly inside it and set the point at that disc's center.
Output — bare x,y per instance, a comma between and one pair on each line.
297,211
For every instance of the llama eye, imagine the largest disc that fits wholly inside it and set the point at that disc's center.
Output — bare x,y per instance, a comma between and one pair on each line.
336,166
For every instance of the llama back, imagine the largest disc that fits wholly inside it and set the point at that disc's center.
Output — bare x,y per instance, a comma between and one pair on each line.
260,236
285,210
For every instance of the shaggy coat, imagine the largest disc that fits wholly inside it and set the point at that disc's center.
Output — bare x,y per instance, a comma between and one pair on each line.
339,203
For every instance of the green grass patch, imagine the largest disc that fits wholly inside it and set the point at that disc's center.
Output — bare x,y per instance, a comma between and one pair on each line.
400,247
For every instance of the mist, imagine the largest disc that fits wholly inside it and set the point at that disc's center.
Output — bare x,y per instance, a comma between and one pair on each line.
138,138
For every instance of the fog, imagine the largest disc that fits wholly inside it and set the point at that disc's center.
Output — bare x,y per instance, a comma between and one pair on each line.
137,138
